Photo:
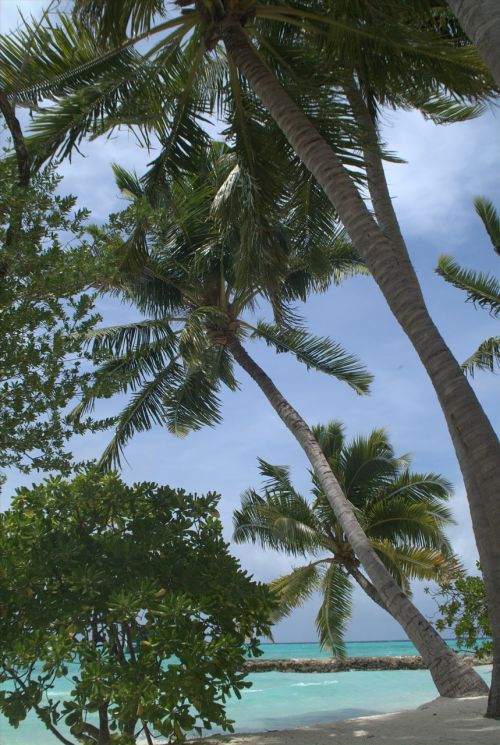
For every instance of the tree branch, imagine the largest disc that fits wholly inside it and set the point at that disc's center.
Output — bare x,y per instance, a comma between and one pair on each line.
22,155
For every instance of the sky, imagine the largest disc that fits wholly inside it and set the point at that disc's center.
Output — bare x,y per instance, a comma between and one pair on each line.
445,168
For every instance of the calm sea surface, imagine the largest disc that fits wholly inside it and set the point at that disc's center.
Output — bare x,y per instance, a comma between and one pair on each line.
284,700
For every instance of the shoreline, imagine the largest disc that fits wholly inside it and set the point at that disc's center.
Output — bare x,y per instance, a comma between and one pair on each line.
334,665
442,721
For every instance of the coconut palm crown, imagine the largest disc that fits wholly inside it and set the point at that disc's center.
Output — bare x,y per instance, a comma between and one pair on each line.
403,514
197,253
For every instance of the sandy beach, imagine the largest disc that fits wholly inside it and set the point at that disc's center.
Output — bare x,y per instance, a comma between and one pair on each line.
442,721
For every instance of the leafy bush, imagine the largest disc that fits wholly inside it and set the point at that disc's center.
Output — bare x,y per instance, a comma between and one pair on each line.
136,586
462,603
47,259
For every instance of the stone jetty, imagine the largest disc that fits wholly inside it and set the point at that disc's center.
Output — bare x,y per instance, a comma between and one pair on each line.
333,665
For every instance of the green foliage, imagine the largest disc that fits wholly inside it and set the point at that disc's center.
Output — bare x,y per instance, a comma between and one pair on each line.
197,259
131,592
402,513
490,219
482,289
462,604
92,75
46,261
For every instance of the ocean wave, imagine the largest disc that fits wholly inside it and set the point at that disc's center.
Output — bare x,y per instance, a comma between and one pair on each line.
307,685
254,690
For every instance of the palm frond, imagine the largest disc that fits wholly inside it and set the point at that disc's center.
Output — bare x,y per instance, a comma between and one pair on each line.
413,563
481,288
405,524
335,610
486,357
331,439
144,410
192,401
490,218
318,353
123,340
293,589
442,109
280,519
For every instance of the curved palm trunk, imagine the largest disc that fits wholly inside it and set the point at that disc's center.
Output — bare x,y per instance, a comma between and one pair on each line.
475,441
367,587
480,19
451,676
386,217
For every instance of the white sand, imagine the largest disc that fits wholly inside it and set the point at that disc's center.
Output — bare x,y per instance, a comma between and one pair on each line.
443,721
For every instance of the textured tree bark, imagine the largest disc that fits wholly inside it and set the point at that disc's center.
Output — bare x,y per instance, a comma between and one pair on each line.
451,676
475,441
480,19
386,217
22,155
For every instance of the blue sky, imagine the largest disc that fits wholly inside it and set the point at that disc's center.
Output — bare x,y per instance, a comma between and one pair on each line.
446,167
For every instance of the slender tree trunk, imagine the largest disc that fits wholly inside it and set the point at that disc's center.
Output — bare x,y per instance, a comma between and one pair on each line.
386,217
475,441
480,19
367,587
22,155
451,676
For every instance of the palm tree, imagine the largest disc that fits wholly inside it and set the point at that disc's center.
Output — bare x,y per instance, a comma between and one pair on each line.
481,20
402,513
482,289
182,244
248,61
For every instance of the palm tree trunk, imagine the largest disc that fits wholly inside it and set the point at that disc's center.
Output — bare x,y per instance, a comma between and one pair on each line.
480,19
367,586
451,676
475,441
386,217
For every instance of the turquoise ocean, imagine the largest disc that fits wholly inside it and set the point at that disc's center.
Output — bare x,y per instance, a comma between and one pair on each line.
285,700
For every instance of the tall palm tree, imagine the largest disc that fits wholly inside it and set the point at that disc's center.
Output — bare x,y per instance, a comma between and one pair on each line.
482,289
481,20
182,242
402,513
239,59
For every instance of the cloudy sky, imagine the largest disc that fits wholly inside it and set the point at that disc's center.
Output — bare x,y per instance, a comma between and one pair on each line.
445,168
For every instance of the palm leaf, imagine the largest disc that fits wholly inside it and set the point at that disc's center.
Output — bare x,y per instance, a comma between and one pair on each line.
293,589
481,288
413,562
335,610
491,221
429,488
144,410
281,519
405,524
486,357
192,401
318,353
442,109
126,339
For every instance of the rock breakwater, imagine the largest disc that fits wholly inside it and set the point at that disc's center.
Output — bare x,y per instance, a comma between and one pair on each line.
333,665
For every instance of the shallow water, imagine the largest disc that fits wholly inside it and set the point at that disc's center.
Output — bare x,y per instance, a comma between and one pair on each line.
284,700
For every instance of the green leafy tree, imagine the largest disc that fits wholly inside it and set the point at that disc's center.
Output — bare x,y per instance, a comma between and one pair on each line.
243,61
131,594
402,513
482,289
183,263
462,602
46,264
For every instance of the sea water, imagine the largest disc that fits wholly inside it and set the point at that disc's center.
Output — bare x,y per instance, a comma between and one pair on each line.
284,700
